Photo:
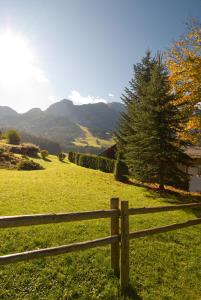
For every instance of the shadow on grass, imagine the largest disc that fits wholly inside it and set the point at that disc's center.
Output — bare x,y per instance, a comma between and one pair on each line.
172,196
47,159
64,162
176,197
132,294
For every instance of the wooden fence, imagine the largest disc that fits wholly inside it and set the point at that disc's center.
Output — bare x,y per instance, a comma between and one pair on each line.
119,241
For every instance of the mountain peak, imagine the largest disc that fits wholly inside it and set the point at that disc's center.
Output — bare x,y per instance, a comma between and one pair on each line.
34,110
65,101
61,108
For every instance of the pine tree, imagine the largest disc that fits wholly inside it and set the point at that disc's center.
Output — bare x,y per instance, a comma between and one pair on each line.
131,99
153,150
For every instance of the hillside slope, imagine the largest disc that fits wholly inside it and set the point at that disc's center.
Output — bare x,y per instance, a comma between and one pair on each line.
100,118
63,122
163,266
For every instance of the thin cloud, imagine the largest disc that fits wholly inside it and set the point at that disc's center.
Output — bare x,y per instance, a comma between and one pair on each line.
79,99
111,95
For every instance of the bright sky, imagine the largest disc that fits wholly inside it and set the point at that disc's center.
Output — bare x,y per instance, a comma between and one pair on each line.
82,50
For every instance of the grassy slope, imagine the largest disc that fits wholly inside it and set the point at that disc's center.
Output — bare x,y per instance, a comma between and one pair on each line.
164,266
91,140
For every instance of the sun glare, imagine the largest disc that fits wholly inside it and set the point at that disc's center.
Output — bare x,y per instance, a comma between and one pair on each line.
16,59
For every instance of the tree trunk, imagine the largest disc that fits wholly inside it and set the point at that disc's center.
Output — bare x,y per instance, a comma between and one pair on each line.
161,187
161,182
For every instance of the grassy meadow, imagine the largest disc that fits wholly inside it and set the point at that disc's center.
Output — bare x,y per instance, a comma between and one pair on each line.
91,140
165,266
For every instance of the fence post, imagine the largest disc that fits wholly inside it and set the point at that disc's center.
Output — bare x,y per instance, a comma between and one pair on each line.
124,270
115,250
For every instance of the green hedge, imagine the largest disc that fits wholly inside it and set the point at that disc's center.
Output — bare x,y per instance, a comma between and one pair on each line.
92,161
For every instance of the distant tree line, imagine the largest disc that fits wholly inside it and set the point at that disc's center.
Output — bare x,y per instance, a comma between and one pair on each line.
16,137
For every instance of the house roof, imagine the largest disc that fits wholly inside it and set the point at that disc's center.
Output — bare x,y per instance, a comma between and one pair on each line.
194,151
109,152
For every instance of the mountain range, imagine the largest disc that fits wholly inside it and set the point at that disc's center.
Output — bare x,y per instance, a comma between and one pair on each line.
87,127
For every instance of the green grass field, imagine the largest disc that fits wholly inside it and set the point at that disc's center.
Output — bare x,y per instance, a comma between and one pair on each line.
164,266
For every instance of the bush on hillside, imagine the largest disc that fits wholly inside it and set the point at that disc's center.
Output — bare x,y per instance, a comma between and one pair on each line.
92,161
44,154
13,137
15,149
29,149
61,156
2,150
121,171
7,159
29,165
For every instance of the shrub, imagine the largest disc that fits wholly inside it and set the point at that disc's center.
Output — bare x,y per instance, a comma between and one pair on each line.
61,156
15,149
8,160
121,171
92,161
30,150
2,150
29,165
71,156
44,154
13,137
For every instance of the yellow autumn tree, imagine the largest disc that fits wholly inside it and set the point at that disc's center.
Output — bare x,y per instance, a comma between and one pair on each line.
184,64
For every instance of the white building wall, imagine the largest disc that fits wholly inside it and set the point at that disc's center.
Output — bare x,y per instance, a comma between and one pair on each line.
195,180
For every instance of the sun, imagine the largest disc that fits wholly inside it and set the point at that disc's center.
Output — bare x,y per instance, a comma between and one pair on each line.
16,59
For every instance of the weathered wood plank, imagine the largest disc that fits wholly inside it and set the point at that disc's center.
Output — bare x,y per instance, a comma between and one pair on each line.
147,232
115,249
148,210
124,269
28,220
7,259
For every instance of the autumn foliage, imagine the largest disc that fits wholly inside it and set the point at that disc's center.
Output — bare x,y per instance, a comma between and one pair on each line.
184,64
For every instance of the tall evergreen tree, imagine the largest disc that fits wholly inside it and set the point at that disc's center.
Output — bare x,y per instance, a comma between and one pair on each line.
152,149
131,99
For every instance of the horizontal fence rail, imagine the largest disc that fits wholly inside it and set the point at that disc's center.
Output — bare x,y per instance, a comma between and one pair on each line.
146,232
118,240
28,220
7,259
156,209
